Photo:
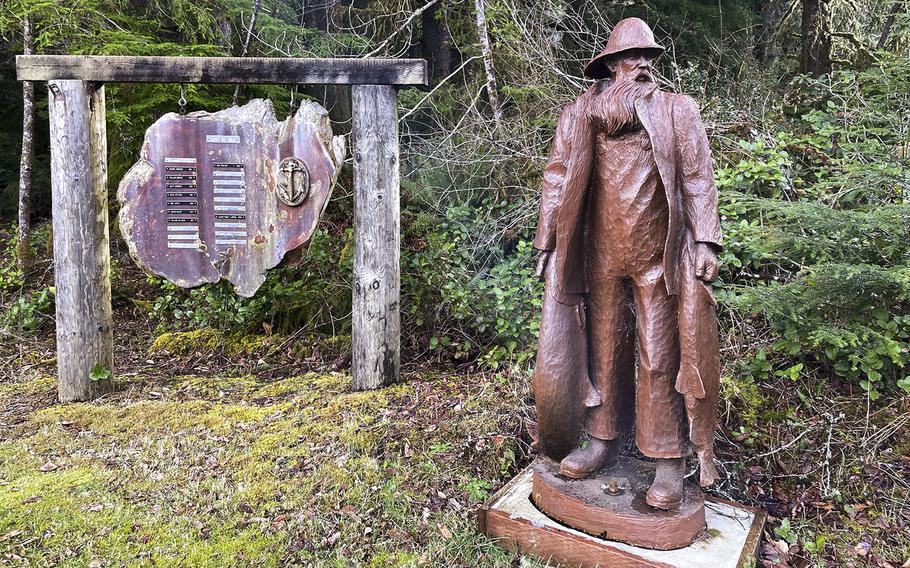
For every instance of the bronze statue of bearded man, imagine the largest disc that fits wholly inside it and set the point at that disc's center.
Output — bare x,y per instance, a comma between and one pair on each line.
629,234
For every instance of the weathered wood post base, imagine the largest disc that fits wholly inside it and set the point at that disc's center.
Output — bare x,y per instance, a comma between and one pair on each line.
376,320
81,239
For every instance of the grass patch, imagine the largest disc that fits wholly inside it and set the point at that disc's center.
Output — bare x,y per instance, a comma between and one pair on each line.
214,471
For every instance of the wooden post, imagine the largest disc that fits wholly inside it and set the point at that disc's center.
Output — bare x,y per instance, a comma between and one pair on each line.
79,172
376,320
81,240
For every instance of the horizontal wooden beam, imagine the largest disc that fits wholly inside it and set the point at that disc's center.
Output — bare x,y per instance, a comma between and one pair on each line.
262,70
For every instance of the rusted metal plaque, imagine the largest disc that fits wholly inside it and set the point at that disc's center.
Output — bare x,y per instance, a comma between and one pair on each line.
228,194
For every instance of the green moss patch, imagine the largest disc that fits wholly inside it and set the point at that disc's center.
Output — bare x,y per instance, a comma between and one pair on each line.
207,340
215,471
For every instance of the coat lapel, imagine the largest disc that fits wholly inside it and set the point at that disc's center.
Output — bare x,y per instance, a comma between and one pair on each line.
654,114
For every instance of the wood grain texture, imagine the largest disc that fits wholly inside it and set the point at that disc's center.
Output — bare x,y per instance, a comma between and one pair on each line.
274,70
376,321
583,505
514,522
81,238
552,545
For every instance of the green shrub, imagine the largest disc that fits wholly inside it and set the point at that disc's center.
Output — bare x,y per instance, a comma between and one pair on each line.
473,300
314,295
817,235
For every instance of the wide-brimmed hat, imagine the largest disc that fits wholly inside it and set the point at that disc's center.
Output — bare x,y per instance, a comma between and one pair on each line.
630,33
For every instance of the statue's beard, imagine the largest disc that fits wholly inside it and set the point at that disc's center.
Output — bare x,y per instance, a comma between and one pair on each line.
612,111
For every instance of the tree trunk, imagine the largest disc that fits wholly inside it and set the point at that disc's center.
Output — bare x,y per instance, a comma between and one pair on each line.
246,44
82,262
763,30
815,57
319,15
25,161
889,23
492,89
434,43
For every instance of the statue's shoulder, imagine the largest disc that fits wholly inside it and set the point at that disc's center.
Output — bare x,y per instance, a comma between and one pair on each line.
681,103
567,114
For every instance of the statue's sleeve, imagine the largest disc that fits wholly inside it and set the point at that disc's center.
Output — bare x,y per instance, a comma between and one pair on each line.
698,188
554,179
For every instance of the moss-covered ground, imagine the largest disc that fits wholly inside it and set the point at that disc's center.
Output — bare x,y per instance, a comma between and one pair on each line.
254,451
214,469
221,451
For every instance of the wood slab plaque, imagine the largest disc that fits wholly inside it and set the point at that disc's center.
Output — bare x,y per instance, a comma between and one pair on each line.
228,194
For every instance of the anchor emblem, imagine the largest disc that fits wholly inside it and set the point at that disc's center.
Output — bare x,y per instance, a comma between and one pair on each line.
293,181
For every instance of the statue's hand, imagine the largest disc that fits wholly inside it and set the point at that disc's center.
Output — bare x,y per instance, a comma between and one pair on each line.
705,262
542,261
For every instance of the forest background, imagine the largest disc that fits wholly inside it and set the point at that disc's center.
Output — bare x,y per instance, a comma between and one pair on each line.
805,103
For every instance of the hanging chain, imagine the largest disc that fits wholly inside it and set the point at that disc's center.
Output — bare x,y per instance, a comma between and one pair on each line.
293,102
182,100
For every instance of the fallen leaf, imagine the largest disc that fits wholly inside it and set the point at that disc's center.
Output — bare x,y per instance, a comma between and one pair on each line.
862,548
742,437
330,541
444,531
9,535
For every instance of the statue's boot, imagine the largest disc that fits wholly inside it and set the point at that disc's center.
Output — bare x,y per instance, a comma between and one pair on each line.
583,461
667,490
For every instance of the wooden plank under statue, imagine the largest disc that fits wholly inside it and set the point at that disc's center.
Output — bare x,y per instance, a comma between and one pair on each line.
228,194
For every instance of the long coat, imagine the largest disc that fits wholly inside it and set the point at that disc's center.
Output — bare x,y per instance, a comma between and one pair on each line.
562,385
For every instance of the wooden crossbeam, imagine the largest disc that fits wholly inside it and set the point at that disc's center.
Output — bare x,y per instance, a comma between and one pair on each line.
261,70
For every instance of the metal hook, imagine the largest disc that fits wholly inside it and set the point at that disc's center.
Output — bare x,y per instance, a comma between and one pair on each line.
292,106
182,100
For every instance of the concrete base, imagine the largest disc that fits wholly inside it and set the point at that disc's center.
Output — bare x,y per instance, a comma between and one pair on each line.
732,535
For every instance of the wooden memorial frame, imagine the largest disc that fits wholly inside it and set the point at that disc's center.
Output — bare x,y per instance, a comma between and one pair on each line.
79,195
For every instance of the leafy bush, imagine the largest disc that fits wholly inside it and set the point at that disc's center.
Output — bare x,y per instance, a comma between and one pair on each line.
816,233
29,311
473,300
315,294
